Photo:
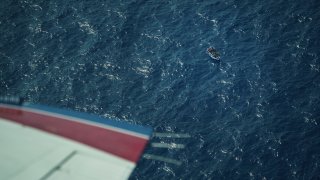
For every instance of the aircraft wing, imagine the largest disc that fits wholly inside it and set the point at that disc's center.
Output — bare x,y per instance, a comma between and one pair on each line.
40,142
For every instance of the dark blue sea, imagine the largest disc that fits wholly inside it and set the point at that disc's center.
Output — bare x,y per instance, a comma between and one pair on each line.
254,115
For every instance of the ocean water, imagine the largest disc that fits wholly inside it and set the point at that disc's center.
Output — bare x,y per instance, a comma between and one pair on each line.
254,115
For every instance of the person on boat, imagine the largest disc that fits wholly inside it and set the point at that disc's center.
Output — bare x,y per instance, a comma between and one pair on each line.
210,49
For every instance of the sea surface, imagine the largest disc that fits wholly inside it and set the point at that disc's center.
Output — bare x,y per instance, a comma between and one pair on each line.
254,115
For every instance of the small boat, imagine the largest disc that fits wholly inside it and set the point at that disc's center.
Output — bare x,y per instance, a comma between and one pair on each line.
213,53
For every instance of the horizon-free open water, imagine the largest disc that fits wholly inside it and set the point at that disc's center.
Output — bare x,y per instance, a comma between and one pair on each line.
255,115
